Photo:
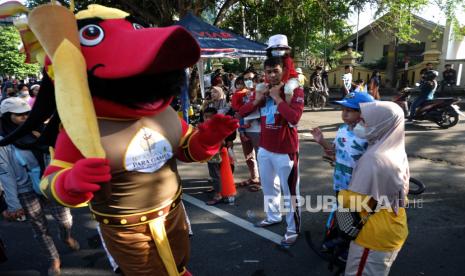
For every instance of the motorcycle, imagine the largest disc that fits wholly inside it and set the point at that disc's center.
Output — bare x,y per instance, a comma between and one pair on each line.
316,99
442,111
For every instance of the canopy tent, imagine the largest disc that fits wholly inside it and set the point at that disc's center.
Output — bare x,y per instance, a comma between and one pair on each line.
217,43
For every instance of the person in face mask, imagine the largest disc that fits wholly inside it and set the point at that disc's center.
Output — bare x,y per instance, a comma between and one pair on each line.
347,147
249,131
278,154
278,47
380,178
17,161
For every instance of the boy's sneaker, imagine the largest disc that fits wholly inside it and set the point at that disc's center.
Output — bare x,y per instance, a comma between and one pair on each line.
327,246
343,255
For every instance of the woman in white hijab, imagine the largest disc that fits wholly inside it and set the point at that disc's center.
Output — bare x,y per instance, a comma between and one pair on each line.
218,100
381,178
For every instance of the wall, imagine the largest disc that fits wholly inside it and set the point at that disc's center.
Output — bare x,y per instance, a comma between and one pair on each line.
335,75
376,39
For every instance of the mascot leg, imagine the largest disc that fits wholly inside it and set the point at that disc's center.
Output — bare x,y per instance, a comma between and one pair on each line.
153,248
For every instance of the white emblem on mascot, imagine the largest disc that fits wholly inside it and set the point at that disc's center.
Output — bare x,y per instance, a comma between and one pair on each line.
147,152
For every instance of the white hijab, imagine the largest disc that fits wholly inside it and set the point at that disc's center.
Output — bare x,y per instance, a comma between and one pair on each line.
383,170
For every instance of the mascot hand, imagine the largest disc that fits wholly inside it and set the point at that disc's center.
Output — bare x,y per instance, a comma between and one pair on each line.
82,180
217,128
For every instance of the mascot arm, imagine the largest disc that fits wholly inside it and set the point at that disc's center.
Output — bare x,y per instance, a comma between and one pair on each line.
200,144
71,179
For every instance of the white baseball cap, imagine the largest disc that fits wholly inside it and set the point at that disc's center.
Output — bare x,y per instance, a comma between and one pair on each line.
14,105
299,70
34,86
278,41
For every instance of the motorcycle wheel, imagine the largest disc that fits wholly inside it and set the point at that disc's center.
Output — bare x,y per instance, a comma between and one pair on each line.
416,187
309,99
449,118
320,101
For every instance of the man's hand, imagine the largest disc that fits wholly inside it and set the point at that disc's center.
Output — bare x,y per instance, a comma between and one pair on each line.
275,93
260,96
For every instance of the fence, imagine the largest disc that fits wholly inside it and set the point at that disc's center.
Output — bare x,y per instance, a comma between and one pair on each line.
412,74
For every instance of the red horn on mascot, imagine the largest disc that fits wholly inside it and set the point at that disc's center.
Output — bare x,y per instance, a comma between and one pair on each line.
111,81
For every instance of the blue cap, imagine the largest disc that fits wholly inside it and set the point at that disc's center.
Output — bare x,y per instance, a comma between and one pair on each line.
353,99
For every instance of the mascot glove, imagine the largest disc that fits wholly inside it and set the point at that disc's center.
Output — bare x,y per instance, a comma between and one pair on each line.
214,131
82,180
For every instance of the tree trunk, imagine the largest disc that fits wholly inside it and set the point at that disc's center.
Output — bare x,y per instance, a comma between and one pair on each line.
222,13
391,65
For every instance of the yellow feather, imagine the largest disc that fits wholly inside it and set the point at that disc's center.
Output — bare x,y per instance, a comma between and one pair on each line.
73,99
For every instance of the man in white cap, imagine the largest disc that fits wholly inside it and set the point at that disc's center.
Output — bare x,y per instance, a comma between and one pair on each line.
301,77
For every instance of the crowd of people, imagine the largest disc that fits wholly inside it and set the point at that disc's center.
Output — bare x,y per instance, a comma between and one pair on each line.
368,153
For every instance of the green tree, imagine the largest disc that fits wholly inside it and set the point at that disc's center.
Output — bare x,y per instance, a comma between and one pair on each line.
157,12
11,60
398,22
313,27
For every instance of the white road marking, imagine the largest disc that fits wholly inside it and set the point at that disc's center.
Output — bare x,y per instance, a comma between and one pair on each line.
267,234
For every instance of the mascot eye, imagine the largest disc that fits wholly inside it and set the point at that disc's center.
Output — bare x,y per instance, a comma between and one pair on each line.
137,26
91,35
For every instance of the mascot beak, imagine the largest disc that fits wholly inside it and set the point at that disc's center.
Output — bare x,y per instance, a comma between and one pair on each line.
126,51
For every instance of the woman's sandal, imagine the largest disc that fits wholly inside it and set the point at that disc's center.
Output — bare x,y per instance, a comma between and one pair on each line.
215,201
209,191
245,183
255,187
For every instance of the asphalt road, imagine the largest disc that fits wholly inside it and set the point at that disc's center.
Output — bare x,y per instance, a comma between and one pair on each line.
224,244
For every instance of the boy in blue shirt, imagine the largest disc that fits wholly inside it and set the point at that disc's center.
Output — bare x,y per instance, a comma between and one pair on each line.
346,148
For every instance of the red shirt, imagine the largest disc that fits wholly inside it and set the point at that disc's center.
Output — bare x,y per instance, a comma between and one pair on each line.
282,136
237,99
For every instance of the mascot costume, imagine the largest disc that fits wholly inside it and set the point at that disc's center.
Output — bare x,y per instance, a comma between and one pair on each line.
106,91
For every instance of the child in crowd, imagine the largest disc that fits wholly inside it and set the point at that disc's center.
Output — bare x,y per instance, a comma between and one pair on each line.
345,150
215,161
360,86
249,129
237,99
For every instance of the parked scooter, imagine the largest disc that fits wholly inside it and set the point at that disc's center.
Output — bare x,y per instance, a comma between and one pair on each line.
442,111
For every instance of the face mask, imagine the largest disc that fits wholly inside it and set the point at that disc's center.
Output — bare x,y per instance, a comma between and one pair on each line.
278,53
360,131
248,83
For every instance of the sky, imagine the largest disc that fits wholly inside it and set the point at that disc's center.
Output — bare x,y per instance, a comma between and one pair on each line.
429,13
